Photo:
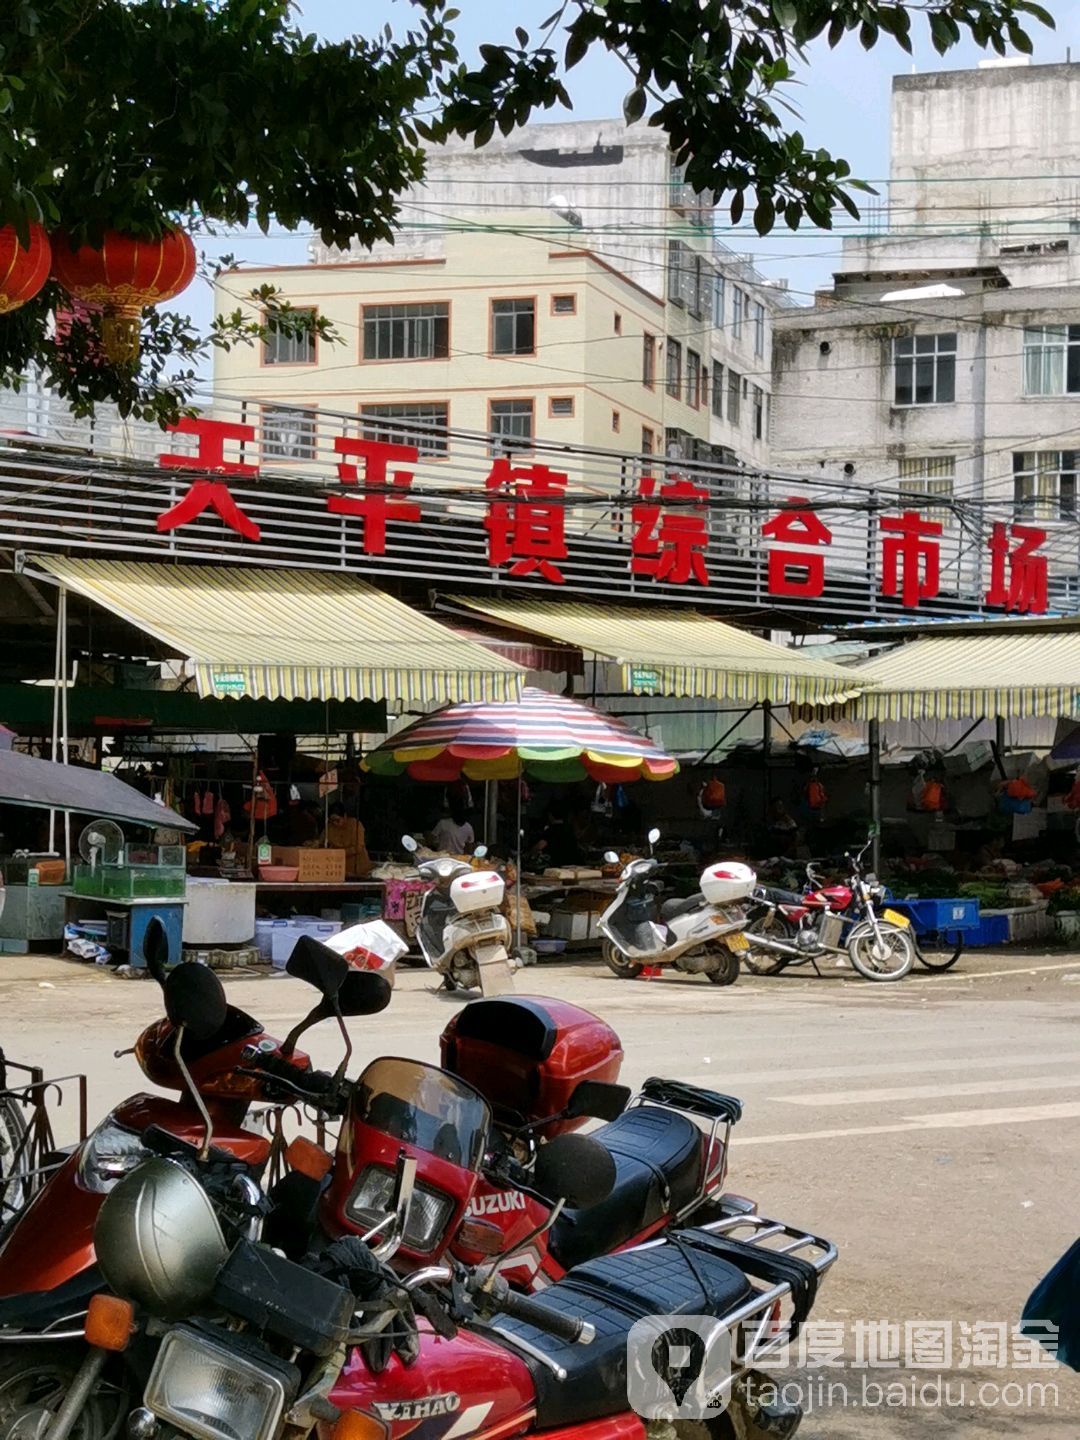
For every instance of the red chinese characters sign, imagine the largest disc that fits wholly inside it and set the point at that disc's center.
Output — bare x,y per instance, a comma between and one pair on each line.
525,521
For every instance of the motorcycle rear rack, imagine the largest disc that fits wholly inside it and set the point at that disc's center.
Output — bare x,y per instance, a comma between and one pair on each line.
723,1113
34,1157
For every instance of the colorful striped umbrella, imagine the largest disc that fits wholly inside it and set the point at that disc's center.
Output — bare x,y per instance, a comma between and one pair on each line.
548,736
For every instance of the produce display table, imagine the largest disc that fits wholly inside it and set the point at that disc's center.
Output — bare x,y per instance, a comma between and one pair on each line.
128,920
573,923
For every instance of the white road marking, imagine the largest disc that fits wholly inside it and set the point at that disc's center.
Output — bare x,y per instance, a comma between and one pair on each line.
954,1120
1073,964
874,1069
928,1092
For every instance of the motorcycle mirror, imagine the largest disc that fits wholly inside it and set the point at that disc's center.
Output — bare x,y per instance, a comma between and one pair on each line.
409,844
318,965
364,992
654,835
195,999
480,851
156,949
575,1168
598,1100
610,857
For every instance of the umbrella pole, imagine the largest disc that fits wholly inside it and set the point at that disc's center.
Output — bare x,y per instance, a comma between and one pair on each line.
517,882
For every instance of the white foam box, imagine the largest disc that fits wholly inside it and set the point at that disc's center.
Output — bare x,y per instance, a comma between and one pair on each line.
573,925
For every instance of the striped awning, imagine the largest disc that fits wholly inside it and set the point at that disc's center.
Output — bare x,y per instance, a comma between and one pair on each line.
552,737
973,676
679,652
292,634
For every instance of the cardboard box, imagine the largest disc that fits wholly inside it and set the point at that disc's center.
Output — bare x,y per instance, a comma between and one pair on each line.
317,867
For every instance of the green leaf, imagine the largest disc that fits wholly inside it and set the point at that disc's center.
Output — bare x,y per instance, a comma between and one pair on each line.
764,215
634,104
577,47
738,205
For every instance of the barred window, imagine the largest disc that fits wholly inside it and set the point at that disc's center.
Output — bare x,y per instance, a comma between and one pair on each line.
424,424
407,332
926,478
288,434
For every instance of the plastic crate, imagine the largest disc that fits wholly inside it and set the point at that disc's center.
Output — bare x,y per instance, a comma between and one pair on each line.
937,916
993,929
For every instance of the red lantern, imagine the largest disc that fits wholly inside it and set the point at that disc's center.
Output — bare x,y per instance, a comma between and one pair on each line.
122,277
23,269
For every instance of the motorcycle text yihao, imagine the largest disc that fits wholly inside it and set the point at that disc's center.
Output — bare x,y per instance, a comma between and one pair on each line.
701,935
463,934
788,929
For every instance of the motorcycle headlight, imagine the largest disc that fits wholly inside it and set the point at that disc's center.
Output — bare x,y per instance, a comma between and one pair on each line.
373,1198
207,1390
109,1154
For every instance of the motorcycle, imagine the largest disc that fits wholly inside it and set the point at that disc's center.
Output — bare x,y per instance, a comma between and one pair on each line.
790,929
701,935
463,935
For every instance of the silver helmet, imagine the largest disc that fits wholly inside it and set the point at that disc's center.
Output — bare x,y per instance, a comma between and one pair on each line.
158,1240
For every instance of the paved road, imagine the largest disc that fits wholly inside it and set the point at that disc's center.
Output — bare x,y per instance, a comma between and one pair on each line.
932,1129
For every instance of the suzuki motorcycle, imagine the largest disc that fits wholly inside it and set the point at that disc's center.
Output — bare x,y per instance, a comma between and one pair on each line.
463,934
788,929
701,935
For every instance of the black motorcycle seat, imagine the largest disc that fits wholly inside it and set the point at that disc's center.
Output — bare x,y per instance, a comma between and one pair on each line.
672,909
658,1159
613,1293
784,897
41,1309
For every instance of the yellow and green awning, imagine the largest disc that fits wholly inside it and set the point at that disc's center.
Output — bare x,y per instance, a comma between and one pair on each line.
292,634
972,675
668,651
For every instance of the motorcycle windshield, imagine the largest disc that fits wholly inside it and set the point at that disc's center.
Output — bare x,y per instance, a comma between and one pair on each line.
422,1105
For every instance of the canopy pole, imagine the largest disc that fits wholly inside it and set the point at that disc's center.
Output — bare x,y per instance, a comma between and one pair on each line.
874,739
743,715
491,814
517,882
766,750
64,726
999,744
57,676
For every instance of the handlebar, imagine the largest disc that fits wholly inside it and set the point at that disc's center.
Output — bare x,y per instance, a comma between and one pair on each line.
571,1328
315,1086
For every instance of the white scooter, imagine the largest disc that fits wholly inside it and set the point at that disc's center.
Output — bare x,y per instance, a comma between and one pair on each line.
462,933
701,935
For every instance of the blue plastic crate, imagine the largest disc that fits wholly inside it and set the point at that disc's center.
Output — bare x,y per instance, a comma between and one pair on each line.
940,916
992,930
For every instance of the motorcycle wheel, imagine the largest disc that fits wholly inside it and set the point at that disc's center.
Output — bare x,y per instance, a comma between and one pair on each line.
34,1380
614,960
896,959
761,962
14,1186
728,972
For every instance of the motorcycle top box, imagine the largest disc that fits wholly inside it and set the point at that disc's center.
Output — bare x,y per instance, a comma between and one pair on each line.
528,1054
478,890
726,882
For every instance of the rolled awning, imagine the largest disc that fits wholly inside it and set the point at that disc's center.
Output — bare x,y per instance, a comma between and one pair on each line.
680,652
292,634
969,676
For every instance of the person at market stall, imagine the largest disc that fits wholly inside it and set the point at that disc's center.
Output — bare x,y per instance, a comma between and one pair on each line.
346,832
559,844
453,833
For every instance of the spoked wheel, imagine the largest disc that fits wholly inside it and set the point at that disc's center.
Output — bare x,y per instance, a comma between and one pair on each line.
617,962
763,962
34,1380
728,972
943,958
888,956
14,1182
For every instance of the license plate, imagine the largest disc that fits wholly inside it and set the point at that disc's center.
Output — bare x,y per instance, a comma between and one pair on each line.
895,918
736,942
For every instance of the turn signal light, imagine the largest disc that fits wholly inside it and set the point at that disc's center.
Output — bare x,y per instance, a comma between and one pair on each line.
307,1158
355,1425
109,1322
480,1236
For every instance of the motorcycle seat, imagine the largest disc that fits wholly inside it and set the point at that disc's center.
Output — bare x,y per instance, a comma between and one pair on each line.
40,1309
613,1293
784,897
658,1158
672,909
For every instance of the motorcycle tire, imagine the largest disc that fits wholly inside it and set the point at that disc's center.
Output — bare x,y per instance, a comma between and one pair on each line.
14,1182
761,962
869,966
728,972
35,1378
613,959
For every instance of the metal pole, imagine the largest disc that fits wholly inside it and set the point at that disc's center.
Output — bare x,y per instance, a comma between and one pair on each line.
874,738
64,710
517,885
766,750
491,813
57,678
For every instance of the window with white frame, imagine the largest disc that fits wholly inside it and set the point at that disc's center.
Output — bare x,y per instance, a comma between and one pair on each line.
759,328
288,434
511,425
759,411
926,481
719,301
718,390
292,349
734,395
693,378
407,332
924,370
738,311
1052,359
423,424
673,371
676,251
513,327
1044,484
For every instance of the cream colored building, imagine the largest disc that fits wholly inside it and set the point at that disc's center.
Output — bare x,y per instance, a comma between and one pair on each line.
506,335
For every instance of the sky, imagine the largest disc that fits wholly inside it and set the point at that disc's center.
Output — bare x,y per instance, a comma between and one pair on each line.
843,104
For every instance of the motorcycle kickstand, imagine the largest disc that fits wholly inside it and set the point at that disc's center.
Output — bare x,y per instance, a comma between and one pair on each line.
813,962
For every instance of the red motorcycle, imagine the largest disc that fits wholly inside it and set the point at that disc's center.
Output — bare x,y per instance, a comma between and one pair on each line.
849,920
